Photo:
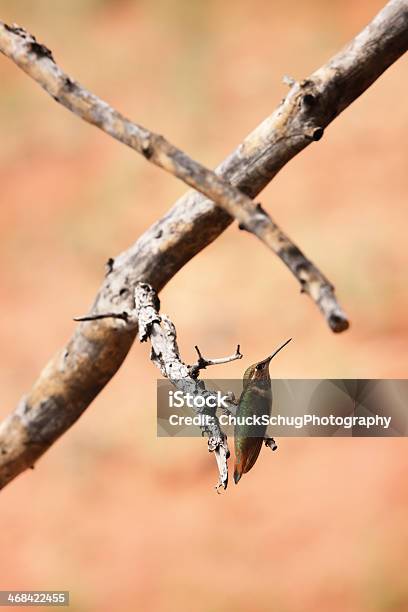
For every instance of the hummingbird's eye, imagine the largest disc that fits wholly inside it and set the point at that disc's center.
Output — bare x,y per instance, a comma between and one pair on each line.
259,367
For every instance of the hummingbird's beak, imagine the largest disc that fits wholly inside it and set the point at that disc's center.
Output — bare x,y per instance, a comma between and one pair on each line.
268,359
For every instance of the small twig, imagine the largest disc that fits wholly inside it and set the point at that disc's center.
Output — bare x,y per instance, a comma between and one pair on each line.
37,61
203,363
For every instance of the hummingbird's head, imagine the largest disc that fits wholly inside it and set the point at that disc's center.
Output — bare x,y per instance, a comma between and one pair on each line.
260,370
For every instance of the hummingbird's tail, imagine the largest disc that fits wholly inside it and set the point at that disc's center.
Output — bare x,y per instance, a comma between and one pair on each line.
247,459
237,475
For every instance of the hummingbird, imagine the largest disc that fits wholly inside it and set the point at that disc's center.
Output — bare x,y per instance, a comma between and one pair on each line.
255,401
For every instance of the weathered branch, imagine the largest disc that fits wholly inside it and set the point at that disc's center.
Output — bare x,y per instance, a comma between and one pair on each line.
165,354
75,376
37,61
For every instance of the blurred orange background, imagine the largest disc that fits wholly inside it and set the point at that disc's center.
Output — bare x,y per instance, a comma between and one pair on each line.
121,519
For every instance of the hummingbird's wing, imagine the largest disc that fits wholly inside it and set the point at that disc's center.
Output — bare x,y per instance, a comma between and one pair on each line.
255,401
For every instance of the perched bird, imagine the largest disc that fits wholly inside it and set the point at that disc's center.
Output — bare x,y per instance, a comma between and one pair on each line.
255,401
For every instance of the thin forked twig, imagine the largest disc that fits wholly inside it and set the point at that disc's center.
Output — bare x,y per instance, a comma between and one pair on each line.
202,362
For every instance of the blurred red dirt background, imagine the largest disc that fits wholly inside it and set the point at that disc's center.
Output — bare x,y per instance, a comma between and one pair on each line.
126,521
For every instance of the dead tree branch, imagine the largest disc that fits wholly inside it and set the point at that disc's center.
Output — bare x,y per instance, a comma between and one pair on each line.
165,354
77,373
37,61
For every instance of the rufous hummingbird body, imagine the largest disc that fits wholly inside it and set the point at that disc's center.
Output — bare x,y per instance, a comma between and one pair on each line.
255,401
